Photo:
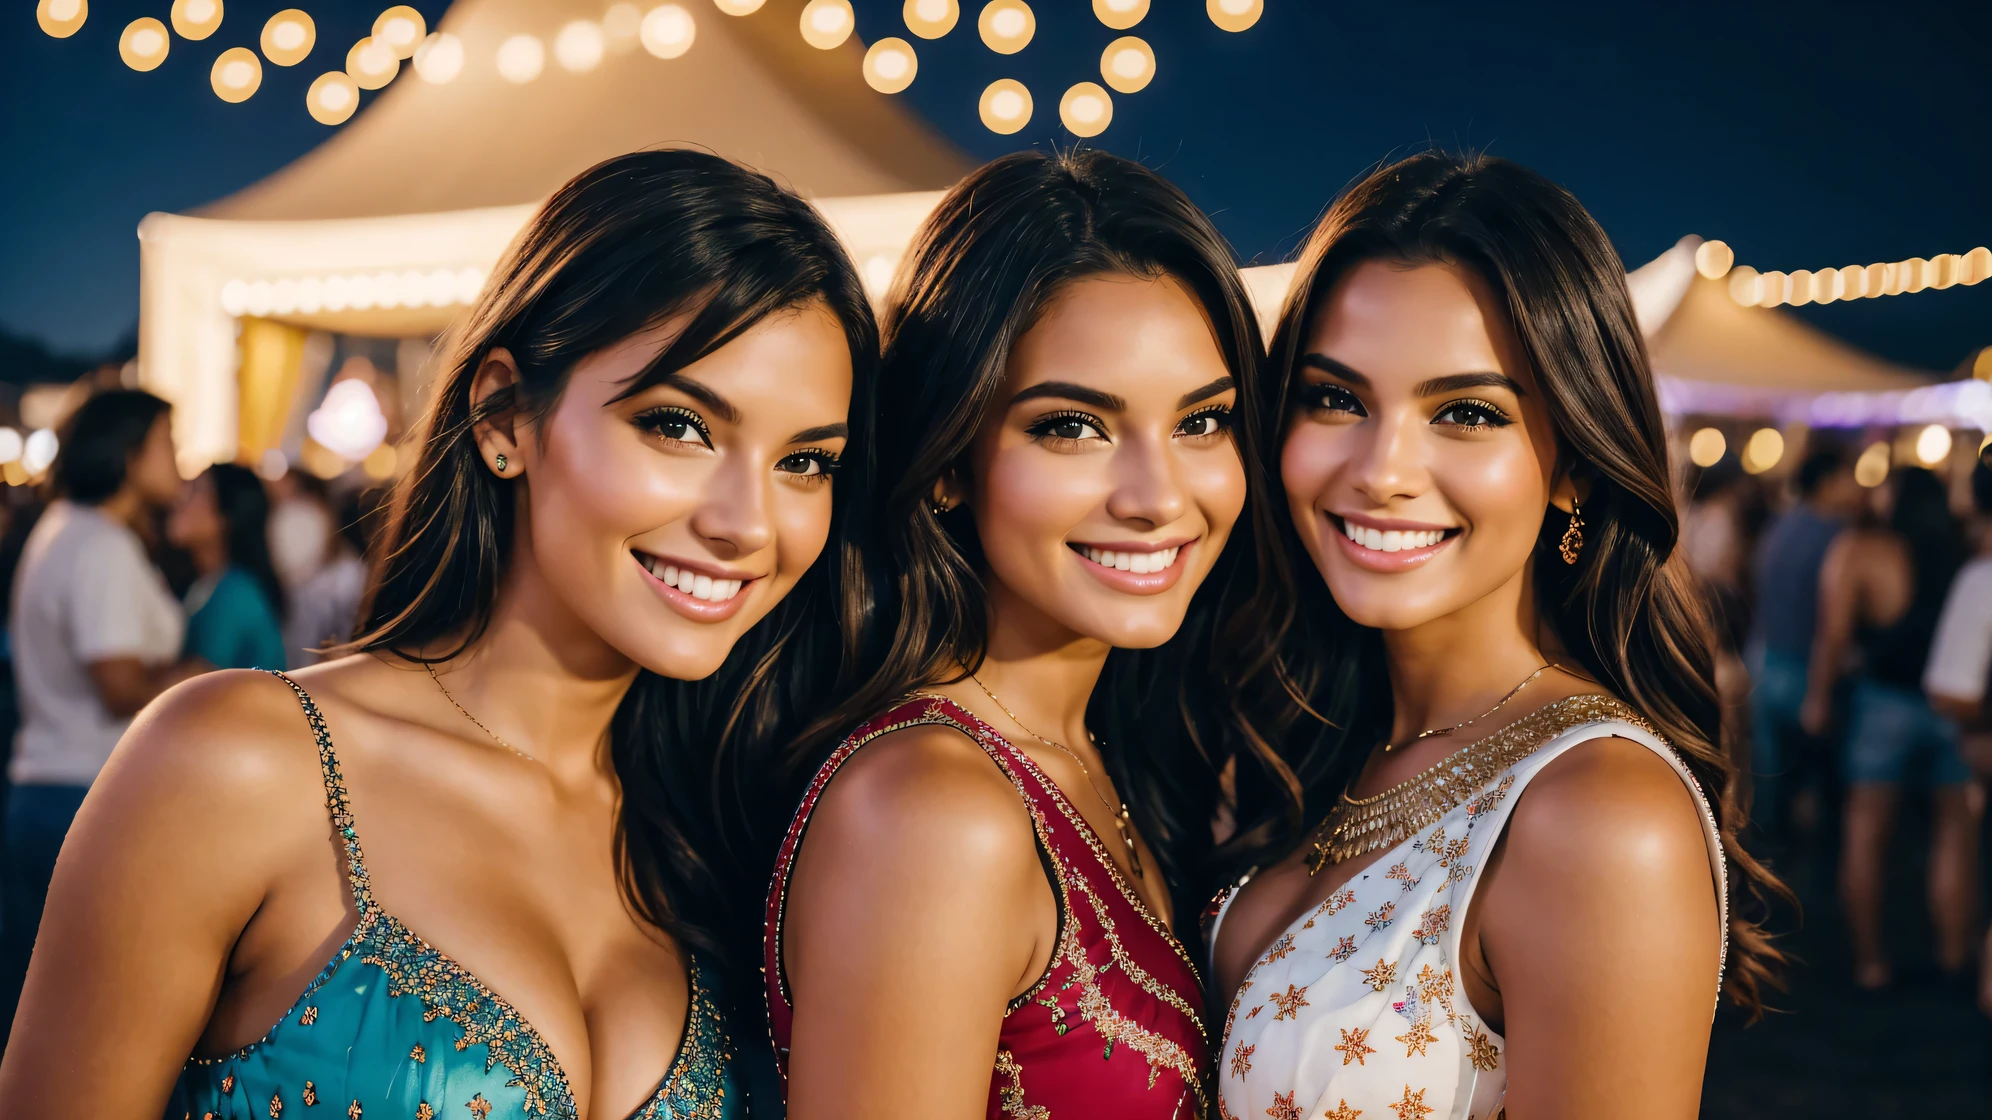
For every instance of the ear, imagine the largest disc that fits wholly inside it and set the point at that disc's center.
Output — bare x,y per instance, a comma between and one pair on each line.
950,492
1571,485
500,436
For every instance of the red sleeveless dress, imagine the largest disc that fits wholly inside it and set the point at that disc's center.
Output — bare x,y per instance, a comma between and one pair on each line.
1115,1026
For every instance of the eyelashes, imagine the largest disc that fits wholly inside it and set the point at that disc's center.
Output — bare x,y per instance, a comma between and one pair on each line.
1483,414
1470,413
676,424
1070,428
1206,422
813,465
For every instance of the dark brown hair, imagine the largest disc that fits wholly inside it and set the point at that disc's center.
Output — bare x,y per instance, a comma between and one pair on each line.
626,246
1313,684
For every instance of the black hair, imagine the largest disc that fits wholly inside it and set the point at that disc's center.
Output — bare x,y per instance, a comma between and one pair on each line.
1826,459
244,508
1922,517
1627,612
97,443
999,249
628,245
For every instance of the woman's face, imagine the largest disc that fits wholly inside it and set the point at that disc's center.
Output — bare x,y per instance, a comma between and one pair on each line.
1419,458
195,517
153,470
670,522
1104,483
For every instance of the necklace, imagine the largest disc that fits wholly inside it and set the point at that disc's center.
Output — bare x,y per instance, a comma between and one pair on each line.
1438,731
461,710
1121,820
1356,826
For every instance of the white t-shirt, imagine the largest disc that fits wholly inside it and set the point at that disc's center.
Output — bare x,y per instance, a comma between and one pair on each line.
85,591
1961,655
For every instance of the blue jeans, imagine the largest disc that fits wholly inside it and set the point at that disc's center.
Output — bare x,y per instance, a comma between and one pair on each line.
1893,734
37,820
1777,691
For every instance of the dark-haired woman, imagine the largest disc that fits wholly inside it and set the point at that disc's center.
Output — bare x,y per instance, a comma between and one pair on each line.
624,473
222,520
1509,886
1881,591
977,919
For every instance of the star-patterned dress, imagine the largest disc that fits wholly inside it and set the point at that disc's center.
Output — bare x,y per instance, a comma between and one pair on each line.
1357,1008
392,1029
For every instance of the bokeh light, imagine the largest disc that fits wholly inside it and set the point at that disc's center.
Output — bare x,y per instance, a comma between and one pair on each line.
579,46
1120,14
621,24
1234,15
827,23
1086,110
143,44
439,58
372,63
1128,64
1006,25
332,98
196,19
10,445
1871,469
930,19
236,74
402,28
890,65
520,59
668,31
1714,258
1706,447
1933,445
288,37
739,7
1764,449
1005,106
38,450
62,18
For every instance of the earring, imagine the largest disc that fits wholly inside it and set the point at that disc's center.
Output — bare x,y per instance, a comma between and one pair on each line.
501,462
1573,537
939,508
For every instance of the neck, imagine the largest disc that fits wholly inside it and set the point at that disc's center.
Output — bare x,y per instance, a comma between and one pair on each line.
1042,671
1453,668
209,557
125,506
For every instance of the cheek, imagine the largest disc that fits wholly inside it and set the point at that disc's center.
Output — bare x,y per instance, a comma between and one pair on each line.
601,487
1030,501
802,527
1216,477
1499,489
1307,461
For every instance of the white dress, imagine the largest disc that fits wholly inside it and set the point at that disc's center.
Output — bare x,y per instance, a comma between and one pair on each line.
1358,1008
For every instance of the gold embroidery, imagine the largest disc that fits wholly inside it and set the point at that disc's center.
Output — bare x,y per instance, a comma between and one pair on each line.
478,1106
276,1106
1280,949
1344,949
1355,1045
424,1112
1283,1107
1011,1096
1118,1029
310,1094
1132,970
1433,923
353,1112
1484,1054
227,1084
1342,1112
1401,872
1413,1106
310,1015
419,1054
1290,1002
1437,987
1241,1060
1419,1036
1382,976
1381,917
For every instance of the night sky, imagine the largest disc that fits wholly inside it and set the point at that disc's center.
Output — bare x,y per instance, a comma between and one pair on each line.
1806,135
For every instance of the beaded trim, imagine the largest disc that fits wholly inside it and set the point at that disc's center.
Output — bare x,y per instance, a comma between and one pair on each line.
695,1089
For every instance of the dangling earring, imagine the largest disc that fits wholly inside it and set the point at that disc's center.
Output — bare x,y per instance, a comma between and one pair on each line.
501,462
939,508
1573,537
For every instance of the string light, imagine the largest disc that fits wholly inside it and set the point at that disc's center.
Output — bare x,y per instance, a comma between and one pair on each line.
668,31
372,63
61,19
1713,259
1005,106
520,59
402,28
579,46
1006,25
1871,469
288,37
332,97
236,75
890,65
439,58
10,445
1706,447
144,44
739,7
930,19
1128,64
1234,15
622,23
827,23
38,450
1120,14
1764,449
1086,110
196,19
1933,443
1888,278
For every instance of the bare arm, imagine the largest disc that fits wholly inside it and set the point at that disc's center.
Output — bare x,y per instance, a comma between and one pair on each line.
1839,593
918,909
126,684
197,811
1600,927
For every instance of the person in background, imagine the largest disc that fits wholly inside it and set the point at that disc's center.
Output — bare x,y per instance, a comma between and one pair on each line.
1958,679
1880,592
222,521
1779,653
324,606
95,634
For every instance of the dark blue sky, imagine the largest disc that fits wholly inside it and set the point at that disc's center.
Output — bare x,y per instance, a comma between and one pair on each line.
1806,135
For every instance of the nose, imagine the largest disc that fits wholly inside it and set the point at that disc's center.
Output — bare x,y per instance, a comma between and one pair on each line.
732,518
1146,490
1387,466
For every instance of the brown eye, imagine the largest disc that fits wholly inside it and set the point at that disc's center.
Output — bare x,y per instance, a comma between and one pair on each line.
675,425
1318,397
1069,426
1472,414
1209,422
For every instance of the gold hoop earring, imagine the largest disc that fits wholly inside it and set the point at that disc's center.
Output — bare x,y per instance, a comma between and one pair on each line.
1573,537
501,462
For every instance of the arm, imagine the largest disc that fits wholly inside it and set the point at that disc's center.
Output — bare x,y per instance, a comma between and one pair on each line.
1839,590
917,910
1600,927
1961,654
202,806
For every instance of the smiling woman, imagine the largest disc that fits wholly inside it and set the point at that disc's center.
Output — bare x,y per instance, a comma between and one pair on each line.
599,581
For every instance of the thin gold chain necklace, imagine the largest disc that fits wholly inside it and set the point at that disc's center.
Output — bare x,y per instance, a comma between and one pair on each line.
1438,731
1121,819
465,713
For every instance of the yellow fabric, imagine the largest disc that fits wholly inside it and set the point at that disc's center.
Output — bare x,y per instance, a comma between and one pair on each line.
272,355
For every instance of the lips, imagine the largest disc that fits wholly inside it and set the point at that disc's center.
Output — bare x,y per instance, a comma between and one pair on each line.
1391,546
1141,563
1391,540
698,585
1137,568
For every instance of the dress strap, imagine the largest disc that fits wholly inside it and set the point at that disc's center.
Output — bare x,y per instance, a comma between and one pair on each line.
336,802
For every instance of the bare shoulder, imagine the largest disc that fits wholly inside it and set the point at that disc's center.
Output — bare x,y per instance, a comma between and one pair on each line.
1608,810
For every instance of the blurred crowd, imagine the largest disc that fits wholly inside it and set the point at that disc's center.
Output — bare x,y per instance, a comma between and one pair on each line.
124,580
1856,622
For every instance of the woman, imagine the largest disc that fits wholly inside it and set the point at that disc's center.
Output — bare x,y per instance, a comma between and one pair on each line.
222,522
96,635
977,919
1500,678
1881,592
625,469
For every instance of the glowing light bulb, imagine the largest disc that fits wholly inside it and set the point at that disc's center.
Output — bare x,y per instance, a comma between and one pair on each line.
1234,15
60,19
827,23
402,28
236,75
1086,110
332,97
1706,447
10,445
668,31
520,59
1006,25
38,450
288,37
579,46
1933,443
1128,64
1713,259
930,19
1745,286
739,7
1871,469
1005,106
144,44
890,65
1764,449
439,58
372,63
196,19
1120,14
1975,266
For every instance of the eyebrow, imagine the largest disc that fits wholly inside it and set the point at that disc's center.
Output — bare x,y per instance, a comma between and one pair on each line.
821,432
701,394
1066,390
1197,396
1430,387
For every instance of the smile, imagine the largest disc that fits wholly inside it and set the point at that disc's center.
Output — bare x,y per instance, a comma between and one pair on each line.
703,596
1384,546
1138,567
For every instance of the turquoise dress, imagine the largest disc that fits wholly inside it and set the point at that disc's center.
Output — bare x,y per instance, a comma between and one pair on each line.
392,1029
232,624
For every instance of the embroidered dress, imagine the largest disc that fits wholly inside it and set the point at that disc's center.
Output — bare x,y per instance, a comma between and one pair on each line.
1358,1007
392,1029
1114,1027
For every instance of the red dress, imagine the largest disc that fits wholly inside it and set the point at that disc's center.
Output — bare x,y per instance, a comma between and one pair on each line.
1114,1027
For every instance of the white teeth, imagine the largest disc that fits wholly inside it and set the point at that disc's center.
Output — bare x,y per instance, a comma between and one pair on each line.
1139,563
1392,540
670,576
692,583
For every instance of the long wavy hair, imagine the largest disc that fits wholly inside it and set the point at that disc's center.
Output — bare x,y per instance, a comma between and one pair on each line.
630,244
1313,685
1002,246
